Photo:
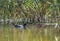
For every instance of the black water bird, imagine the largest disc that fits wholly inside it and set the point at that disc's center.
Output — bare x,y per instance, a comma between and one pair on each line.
20,26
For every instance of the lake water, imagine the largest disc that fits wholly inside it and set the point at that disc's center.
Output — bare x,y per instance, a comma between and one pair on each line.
32,33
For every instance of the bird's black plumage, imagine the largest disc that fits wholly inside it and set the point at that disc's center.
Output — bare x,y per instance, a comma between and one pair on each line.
20,26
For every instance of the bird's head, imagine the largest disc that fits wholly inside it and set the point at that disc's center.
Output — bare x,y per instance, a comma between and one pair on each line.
24,24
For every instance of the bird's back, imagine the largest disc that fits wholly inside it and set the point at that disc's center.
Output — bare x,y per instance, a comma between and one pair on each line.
19,26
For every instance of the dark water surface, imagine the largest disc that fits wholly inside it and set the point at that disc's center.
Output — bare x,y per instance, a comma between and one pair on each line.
32,33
